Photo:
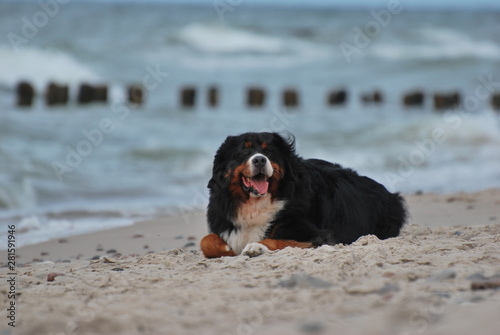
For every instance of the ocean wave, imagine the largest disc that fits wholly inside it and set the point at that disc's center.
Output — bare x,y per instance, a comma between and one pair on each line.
221,46
221,39
33,229
436,45
40,66
39,225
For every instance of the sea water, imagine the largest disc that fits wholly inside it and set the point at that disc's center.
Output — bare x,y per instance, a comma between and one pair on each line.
72,169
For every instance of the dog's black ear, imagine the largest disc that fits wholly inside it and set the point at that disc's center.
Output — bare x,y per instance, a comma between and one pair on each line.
222,164
221,157
223,153
286,145
285,141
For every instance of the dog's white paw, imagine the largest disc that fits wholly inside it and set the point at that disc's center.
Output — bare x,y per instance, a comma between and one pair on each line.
254,249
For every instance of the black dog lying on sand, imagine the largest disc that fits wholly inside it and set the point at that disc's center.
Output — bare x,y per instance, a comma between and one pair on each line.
263,196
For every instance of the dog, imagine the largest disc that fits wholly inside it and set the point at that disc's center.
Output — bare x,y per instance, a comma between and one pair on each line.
263,197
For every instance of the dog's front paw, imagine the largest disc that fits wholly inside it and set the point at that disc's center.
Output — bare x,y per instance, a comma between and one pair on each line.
254,249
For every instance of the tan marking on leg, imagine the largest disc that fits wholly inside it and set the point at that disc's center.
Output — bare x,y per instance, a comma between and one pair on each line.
213,246
281,244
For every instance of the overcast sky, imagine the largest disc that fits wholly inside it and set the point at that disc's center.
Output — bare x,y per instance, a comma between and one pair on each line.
471,4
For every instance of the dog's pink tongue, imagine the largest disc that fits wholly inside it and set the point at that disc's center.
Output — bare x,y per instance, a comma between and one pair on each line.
260,185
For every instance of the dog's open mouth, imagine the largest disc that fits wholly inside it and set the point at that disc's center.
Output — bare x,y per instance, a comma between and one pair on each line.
256,185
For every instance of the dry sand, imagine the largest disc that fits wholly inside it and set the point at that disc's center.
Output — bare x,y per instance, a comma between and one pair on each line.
418,283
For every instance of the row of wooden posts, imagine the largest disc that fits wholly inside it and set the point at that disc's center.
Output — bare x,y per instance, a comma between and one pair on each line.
59,94
256,96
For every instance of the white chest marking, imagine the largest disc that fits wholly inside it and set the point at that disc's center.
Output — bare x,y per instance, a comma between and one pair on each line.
252,219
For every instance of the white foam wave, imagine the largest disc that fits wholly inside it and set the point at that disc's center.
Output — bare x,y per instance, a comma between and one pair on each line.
224,39
231,47
39,66
36,229
29,223
439,44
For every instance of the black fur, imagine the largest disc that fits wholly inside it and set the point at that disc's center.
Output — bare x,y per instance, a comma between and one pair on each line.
326,203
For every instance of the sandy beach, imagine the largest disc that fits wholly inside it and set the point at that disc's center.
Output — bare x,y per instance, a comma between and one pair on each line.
438,277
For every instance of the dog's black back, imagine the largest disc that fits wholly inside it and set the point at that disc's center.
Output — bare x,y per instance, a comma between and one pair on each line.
352,205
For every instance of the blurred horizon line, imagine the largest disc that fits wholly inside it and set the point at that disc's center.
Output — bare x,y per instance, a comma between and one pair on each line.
483,5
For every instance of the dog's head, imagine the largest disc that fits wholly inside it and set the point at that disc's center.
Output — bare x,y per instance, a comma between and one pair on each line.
251,164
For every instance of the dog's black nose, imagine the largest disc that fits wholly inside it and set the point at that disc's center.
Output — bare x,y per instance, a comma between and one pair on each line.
259,161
